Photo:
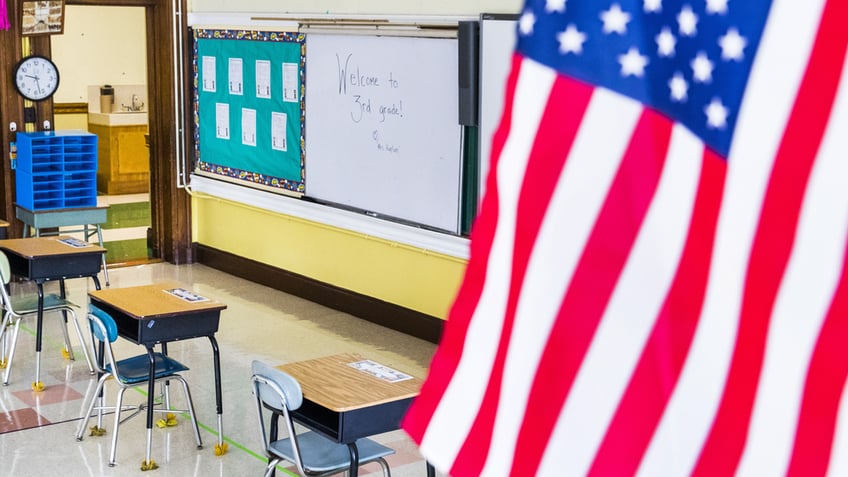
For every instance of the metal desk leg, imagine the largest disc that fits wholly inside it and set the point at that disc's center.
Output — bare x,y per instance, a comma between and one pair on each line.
37,385
100,241
221,447
354,460
148,463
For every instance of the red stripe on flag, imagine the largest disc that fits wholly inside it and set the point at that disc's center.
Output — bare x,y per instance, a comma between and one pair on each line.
567,103
823,389
593,282
661,362
449,352
773,241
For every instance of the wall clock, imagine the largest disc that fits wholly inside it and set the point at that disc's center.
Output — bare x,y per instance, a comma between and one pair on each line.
36,77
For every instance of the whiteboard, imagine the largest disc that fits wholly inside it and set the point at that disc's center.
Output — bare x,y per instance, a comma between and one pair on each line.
382,133
497,43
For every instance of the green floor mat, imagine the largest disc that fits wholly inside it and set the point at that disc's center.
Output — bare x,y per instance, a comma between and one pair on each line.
134,214
126,250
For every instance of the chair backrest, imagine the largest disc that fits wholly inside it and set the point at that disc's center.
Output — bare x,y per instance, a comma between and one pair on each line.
5,277
102,324
282,393
104,330
288,387
5,268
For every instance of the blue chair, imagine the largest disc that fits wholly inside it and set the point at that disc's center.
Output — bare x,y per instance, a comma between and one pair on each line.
313,454
16,308
128,373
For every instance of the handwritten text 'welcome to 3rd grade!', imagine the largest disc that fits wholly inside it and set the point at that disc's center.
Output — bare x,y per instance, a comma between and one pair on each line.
375,99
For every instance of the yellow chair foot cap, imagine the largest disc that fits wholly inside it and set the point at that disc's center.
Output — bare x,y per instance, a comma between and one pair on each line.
221,449
3,363
37,386
66,354
149,465
97,431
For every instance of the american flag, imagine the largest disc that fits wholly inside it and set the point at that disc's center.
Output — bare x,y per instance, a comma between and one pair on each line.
656,283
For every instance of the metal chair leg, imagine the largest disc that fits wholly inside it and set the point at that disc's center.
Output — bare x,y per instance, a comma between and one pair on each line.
96,399
12,352
83,345
114,452
191,412
68,348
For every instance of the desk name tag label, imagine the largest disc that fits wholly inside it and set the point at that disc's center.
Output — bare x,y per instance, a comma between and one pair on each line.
75,242
379,371
186,295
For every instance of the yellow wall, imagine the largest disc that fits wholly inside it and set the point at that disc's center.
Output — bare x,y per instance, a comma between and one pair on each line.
396,273
71,121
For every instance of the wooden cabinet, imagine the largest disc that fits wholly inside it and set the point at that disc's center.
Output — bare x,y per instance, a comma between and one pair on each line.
124,162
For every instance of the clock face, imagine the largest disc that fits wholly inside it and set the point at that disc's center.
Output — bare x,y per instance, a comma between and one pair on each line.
36,78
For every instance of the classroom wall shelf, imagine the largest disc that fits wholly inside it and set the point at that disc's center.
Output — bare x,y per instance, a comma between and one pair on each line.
56,170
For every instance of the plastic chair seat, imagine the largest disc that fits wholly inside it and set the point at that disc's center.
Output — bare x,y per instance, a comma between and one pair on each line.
136,369
27,305
325,455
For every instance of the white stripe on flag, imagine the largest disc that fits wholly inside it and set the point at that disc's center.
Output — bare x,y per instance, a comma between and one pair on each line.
456,412
766,107
805,296
574,208
838,465
631,313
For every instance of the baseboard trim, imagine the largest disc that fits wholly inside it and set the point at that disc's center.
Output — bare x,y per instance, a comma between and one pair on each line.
386,314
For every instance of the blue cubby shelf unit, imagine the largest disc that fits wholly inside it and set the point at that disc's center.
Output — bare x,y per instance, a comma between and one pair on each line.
56,170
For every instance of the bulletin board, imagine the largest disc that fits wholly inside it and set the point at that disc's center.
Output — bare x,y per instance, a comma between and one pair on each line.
249,107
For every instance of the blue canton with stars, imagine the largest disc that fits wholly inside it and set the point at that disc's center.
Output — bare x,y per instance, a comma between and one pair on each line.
689,60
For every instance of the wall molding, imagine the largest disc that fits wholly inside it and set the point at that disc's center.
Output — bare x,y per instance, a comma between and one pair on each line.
368,308
443,243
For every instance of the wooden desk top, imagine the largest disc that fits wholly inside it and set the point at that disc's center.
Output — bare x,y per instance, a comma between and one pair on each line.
330,382
46,246
148,301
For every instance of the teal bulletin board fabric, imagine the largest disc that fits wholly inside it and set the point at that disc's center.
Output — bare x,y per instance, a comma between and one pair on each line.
226,116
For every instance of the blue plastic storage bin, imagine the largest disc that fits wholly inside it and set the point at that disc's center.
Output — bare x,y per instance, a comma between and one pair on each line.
56,170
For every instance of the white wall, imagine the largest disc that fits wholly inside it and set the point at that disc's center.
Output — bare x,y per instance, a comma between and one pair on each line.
373,7
100,45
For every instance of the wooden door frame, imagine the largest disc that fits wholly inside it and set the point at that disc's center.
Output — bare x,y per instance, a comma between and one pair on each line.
170,205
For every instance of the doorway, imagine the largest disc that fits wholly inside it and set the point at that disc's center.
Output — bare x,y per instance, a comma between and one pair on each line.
105,92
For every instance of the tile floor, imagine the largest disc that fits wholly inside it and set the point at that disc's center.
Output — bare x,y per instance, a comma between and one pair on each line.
37,429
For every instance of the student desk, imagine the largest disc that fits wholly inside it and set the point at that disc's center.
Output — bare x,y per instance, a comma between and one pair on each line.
148,315
346,404
41,259
74,216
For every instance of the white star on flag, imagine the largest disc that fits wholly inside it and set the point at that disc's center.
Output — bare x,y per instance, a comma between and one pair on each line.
679,87
615,20
666,42
716,114
702,68
571,40
555,6
688,21
732,45
633,63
